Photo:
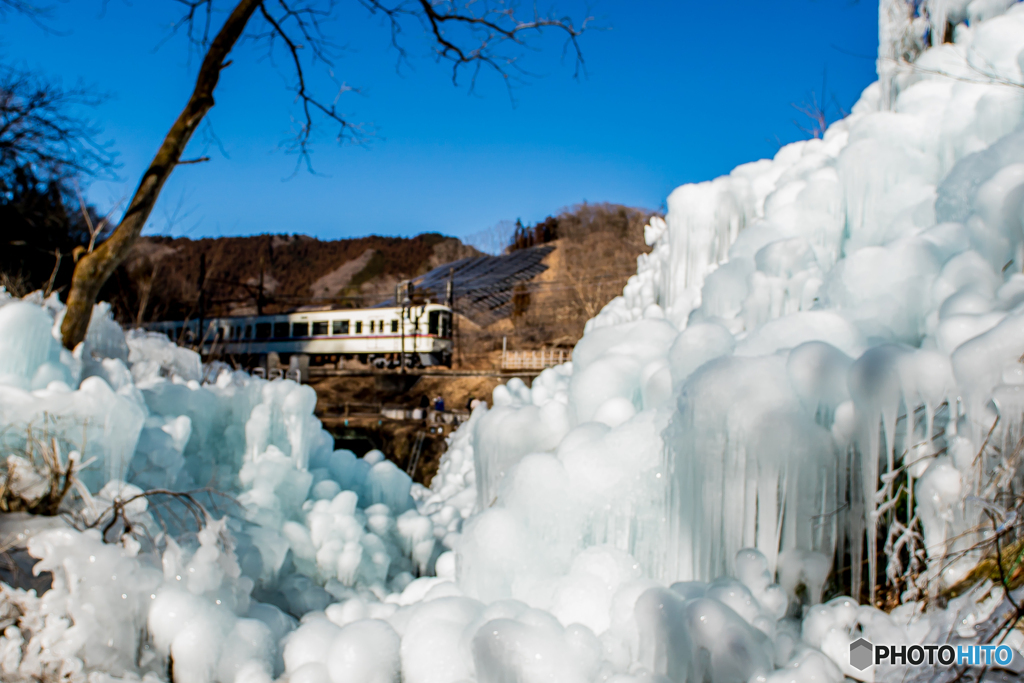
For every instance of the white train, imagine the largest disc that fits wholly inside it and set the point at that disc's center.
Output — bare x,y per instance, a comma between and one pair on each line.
378,336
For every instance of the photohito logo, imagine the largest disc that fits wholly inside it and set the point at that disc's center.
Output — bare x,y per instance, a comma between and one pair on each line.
863,654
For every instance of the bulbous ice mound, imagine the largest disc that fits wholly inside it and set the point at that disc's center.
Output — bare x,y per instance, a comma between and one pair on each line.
168,587
819,358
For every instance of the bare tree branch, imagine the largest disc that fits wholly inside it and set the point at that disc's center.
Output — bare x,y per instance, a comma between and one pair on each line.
26,7
306,24
478,34
37,13
38,132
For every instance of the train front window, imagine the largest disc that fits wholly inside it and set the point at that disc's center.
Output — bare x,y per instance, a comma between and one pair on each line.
394,327
359,327
319,328
262,330
281,330
300,329
433,322
446,325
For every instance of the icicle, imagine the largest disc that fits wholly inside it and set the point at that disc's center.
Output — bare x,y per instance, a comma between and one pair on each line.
703,222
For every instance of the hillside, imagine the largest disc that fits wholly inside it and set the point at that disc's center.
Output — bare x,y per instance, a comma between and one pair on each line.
268,273
593,252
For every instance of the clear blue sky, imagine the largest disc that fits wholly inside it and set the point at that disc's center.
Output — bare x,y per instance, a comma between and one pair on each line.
676,92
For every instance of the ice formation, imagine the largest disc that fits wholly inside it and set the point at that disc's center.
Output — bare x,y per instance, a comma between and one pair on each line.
821,349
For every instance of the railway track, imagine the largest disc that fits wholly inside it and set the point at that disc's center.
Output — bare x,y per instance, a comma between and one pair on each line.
419,372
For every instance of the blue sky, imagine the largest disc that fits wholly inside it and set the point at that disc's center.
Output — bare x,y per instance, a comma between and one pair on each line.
675,92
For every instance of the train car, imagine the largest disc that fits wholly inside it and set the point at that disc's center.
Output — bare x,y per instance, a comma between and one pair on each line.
422,334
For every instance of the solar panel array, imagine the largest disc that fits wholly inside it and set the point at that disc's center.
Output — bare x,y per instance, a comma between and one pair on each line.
484,285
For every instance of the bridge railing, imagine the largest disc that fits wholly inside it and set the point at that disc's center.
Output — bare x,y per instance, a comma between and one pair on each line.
534,360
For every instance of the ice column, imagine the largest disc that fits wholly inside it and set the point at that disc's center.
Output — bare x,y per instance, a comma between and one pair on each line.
703,222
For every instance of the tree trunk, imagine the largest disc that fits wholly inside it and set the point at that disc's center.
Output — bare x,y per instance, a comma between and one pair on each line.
94,268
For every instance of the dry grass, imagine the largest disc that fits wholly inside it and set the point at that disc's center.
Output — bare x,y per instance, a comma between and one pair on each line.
38,479
17,283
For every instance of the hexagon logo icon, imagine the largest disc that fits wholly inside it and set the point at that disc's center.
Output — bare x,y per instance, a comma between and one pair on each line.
861,654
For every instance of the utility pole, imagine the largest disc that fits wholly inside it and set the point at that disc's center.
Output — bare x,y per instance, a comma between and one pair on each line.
402,299
450,301
259,291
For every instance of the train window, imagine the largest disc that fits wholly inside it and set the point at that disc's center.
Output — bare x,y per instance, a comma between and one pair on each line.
262,330
373,326
339,327
300,329
281,330
394,326
319,327
359,327
248,331
433,322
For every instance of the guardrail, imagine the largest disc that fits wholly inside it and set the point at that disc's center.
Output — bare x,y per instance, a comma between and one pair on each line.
278,373
453,417
534,360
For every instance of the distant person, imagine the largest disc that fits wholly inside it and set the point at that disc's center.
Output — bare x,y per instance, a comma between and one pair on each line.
439,404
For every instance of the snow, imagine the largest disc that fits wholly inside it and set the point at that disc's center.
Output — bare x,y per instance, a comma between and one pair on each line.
810,338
